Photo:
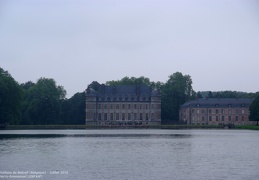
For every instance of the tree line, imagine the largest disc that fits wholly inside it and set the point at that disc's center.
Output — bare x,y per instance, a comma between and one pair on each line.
44,102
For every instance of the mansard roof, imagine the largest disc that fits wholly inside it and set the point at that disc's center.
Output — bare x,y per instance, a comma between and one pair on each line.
122,90
218,102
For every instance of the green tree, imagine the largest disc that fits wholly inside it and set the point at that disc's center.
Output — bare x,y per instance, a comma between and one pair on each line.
254,110
94,85
175,92
136,81
10,99
73,109
210,94
199,95
42,102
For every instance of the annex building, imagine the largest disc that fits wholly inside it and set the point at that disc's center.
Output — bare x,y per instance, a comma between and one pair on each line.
123,105
216,111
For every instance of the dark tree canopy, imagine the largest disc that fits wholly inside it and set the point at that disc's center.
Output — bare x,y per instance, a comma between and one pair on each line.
10,99
135,81
73,109
42,102
94,85
175,92
226,94
254,110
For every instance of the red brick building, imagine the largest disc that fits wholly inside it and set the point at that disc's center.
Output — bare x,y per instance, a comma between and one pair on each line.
216,111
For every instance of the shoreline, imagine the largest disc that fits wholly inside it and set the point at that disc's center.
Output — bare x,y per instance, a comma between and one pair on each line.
172,126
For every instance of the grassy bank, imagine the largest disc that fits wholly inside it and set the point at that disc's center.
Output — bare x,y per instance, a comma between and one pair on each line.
251,127
25,127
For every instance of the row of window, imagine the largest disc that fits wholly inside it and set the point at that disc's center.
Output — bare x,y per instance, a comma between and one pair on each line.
123,116
124,98
217,111
126,106
218,118
217,105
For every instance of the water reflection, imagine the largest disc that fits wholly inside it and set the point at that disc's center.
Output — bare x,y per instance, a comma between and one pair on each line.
14,136
133,154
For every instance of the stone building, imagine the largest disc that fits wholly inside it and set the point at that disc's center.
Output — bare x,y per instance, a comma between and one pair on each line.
123,105
216,111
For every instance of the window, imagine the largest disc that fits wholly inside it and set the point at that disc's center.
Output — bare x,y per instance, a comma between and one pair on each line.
192,110
120,98
117,106
111,116
94,116
198,111
222,118
236,111
243,111
229,118
99,106
135,106
105,106
202,118
129,106
132,98
126,98
146,116
152,116
117,116
123,106
144,99
243,118
103,99
236,118
140,116
210,118
135,116
123,116
111,106
114,98
229,111
146,106
217,111
100,116
129,116
222,111
108,98
140,106
105,116
209,111
202,111
217,118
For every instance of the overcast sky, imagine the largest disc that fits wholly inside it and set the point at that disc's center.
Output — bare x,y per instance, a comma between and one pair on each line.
216,42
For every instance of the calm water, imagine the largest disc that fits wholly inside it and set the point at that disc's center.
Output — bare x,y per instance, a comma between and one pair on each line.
129,154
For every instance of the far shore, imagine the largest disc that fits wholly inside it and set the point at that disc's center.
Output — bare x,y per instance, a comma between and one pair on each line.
172,126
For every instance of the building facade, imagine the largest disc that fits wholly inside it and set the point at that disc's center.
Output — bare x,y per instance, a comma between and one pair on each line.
123,105
216,111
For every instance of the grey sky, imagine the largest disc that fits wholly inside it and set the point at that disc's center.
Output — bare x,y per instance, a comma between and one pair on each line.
76,42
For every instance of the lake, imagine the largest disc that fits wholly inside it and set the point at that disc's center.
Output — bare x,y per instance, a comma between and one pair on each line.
126,154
